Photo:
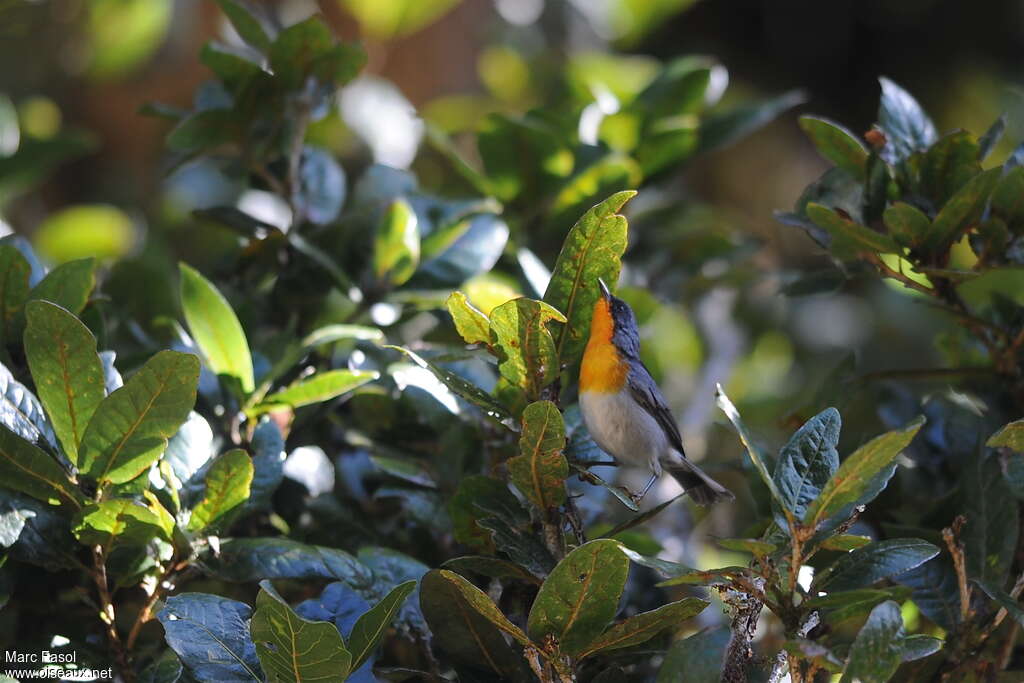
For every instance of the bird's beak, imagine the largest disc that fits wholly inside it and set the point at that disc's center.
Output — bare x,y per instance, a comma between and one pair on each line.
604,290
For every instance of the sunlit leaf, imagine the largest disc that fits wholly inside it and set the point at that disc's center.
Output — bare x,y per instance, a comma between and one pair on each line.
83,231
227,487
527,356
396,251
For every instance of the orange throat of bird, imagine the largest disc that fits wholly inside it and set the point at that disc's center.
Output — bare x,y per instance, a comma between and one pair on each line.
602,371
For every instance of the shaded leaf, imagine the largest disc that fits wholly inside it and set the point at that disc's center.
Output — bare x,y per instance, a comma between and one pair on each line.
541,470
61,353
227,487
907,128
962,210
1008,198
991,137
250,559
492,567
907,224
990,532
68,285
644,626
726,128
936,592
215,328
836,143
26,468
14,284
465,514
593,249
747,545
877,651
808,461
948,164
918,646
210,635
881,560
22,413
321,191
580,596
130,427
480,603
849,235
697,659
248,26
1003,599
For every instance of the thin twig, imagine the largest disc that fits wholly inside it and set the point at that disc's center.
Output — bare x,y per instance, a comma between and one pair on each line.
956,549
107,614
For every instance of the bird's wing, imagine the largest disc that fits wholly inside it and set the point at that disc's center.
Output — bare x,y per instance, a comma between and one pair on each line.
646,392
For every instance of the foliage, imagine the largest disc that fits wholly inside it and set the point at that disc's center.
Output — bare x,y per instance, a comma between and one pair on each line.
348,444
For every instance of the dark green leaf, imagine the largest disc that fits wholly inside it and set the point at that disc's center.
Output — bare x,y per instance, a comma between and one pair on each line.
697,659
936,592
990,533
396,251
580,596
492,567
848,235
461,630
268,464
1008,199
471,324
68,285
369,629
907,128
1003,599
479,602
14,279
521,544
61,353
292,649
962,210
232,66
227,487
836,143
884,559
465,514
988,141
130,428
858,479
948,165
593,249
808,461
644,626
25,468
249,559
845,542
919,646
540,472
878,649
248,26
211,636
215,328
308,49
907,224
856,603
204,130
166,669
636,520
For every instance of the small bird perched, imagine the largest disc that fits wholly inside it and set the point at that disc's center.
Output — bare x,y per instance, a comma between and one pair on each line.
624,410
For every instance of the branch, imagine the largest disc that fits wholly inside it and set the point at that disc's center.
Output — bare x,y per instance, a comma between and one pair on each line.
99,575
739,651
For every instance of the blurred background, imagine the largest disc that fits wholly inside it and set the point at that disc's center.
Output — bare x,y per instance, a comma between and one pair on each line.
82,172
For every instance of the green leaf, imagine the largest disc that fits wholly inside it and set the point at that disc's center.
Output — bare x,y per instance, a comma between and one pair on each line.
68,285
837,144
593,249
935,591
461,630
644,626
948,165
130,427
878,649
227,487
463,389
369,628
247,26
848,235
481,603
697,658
1009,436
876,561
394,18
118,521
307,49
845,542
491,567
861,476
292,649
580,596
962,210
1008,199
756,456
233,67
907,128
612,174
541,470
250,559
990,532
521,156
907,224
215,328
323,386
919,646
991,137
211,636
747,545
524,344
396,250
843,605
61,352
14,275
471,324
808,461
205,130
26,468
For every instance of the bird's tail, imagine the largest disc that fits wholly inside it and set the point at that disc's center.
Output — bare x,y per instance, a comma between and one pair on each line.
703,489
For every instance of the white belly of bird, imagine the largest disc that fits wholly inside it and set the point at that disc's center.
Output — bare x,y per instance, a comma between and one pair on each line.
623,429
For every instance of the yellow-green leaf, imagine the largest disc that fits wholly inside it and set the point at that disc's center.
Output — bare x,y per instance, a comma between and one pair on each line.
470,322
317,388
227,487
541,470
396,251
526,349
644,626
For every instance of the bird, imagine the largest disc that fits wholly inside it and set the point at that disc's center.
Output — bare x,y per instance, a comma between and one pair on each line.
625,411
